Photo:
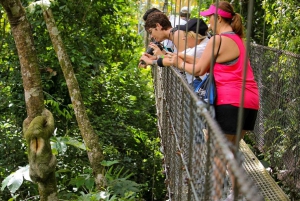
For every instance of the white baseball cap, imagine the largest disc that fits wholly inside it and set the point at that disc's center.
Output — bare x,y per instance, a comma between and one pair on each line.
184,9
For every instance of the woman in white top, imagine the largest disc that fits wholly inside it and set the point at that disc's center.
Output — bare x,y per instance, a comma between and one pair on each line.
195,44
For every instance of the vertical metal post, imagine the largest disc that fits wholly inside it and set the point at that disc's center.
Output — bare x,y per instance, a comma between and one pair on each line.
146,36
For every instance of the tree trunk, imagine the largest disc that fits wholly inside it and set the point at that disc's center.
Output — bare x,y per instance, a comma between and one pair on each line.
39,124
89,136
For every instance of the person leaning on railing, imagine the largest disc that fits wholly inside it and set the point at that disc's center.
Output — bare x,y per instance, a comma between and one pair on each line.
159,27
228,70
193,42
228,73
196,39
165,45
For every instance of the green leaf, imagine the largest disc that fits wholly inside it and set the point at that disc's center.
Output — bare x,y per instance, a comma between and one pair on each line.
89,183
78,181
265,163
63,171
109,163
76,143
58,146
121,186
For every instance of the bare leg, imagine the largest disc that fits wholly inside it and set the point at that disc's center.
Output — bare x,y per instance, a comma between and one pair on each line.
218,166
232,139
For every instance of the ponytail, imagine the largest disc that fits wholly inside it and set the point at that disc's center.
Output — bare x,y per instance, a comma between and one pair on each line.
237,25
236,20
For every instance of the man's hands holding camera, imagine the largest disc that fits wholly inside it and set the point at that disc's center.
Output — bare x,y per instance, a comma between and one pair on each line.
146,59
154,49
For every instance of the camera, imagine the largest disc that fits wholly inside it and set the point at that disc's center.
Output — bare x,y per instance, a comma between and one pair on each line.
150,50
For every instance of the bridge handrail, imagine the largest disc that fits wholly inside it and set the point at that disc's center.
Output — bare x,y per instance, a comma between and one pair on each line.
196,167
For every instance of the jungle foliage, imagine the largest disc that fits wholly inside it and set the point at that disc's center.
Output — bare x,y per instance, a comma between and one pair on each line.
104,47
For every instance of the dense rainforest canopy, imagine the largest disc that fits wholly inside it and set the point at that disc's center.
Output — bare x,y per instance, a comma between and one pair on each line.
103,45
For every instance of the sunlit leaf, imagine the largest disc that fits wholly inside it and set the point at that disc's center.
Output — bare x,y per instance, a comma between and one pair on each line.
15,182
75,143
109,163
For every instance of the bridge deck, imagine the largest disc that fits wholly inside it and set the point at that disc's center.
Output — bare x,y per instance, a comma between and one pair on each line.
269,188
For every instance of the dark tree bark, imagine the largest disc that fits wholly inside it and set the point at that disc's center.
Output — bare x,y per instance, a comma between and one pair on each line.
39,124
90,138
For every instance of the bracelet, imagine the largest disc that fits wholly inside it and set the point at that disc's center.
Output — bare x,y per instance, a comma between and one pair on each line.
160,62
154,62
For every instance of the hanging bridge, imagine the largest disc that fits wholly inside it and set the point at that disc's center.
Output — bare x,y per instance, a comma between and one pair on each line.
191,139
198,161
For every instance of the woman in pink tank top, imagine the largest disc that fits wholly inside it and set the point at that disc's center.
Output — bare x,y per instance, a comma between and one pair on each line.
228,70
228,73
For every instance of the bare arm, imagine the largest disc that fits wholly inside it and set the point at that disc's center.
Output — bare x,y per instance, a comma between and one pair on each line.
168,59
188,58
202,64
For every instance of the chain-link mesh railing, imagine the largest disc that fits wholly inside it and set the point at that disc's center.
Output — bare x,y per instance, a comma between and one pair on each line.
277,132
197,159
198,162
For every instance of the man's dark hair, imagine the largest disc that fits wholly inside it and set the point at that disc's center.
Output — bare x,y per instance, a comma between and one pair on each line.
157,17
151,10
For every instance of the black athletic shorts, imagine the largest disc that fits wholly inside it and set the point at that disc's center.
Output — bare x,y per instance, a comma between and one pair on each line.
227,117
